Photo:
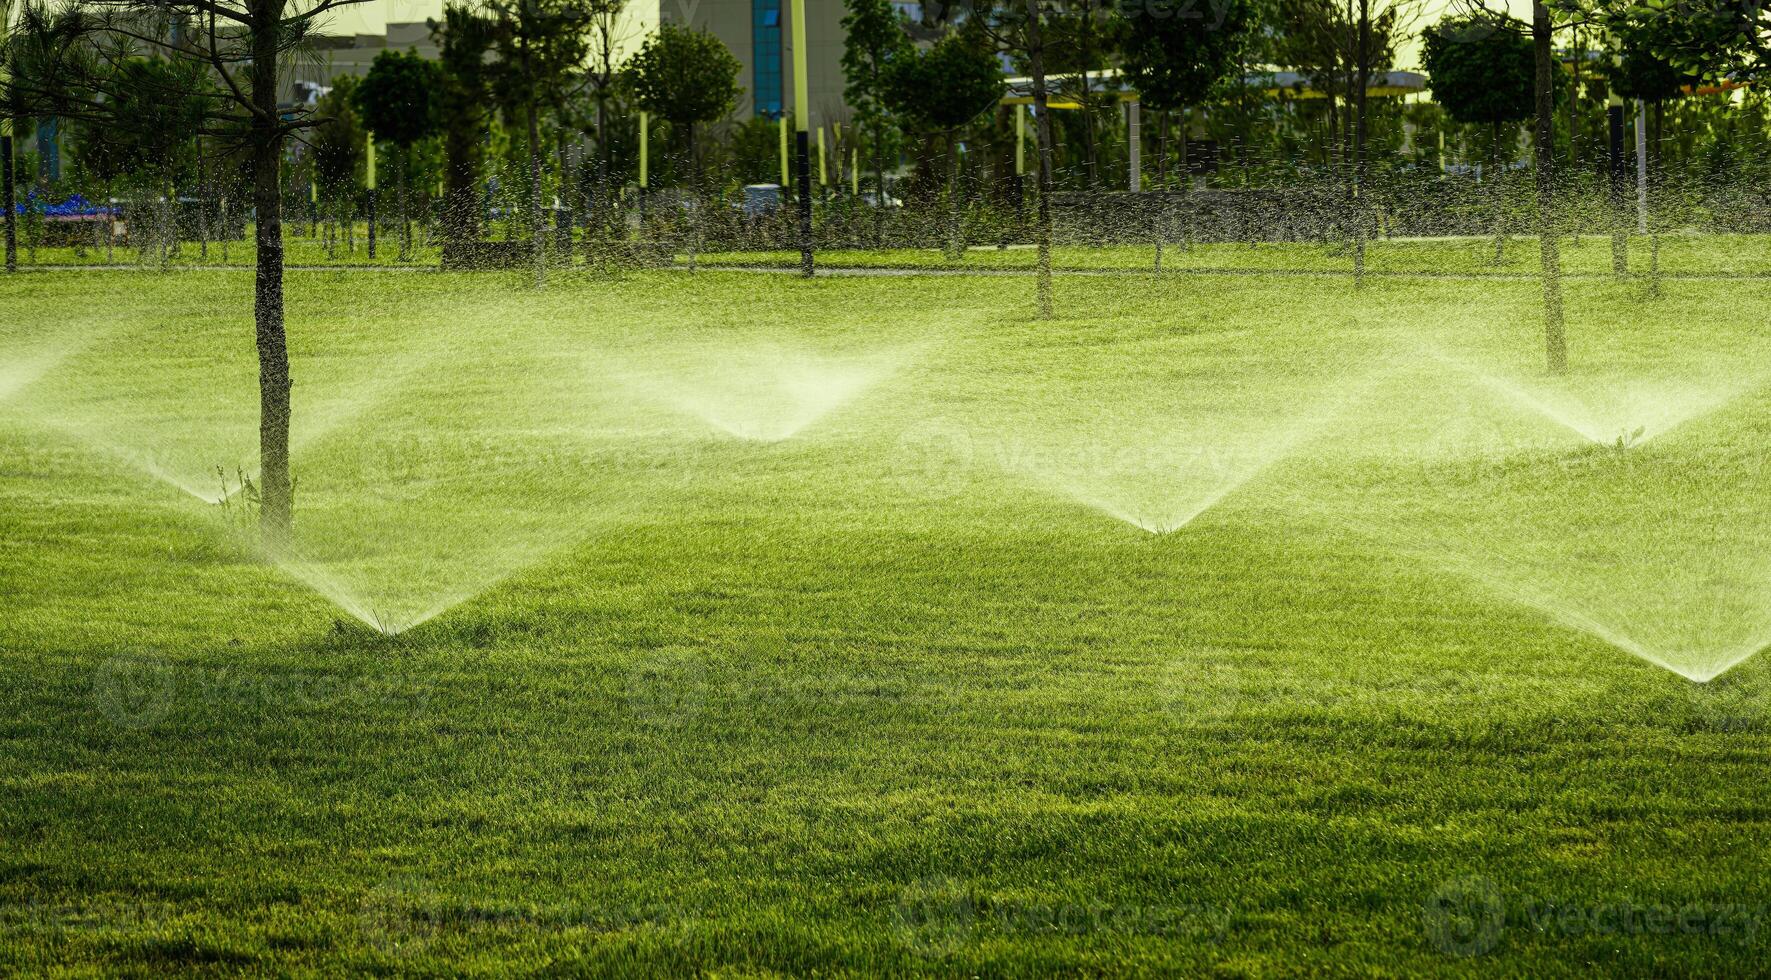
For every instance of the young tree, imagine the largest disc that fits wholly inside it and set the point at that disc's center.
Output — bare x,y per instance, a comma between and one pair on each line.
943,89
1480,68
242,45
609,32
1500,32
541,45
1550,259
1175,62
874,43
465,38
338,148
1018,28
687,78
396,102
1080,36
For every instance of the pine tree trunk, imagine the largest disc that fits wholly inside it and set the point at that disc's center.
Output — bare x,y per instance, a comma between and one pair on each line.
1555,343
1363,82
537,233
276,487
1041,105
955,249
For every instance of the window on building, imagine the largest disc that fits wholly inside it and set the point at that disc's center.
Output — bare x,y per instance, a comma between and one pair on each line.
765,66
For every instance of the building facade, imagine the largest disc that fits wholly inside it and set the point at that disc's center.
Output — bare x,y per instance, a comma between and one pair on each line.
758,32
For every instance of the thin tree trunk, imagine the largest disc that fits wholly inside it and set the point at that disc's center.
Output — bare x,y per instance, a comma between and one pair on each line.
1161,228
401,155
1555,343
879,189
1574,106
1498,195
1653,174
276,487
537,233
694,199
1041,105
1091,143
954,250
1363,57
8,197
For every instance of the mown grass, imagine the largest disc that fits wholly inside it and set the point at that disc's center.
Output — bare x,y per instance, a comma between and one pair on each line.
882,697
1584,255
1681,254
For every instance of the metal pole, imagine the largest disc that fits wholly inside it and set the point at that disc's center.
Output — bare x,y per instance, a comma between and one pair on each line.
786,179
802,122
1135,139
1641,167
370,138
1020,142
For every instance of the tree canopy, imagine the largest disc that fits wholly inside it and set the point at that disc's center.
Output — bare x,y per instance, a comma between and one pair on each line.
396,99
685,76
1175,60
1480,67
948,85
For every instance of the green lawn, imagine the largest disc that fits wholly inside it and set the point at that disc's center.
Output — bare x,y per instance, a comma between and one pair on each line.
752,626
1681,254
1586,255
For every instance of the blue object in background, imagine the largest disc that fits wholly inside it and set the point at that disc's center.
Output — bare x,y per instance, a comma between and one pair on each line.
75,206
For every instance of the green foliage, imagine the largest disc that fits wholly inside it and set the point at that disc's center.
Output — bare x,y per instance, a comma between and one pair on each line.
338,139
151,133
946,86
874,42
465,38
1176,61
1480,68
541,49
1663,50
754,149
685,76
1707,39
397,98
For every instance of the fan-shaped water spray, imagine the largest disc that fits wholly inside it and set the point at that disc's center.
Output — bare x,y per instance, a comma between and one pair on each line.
764,393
